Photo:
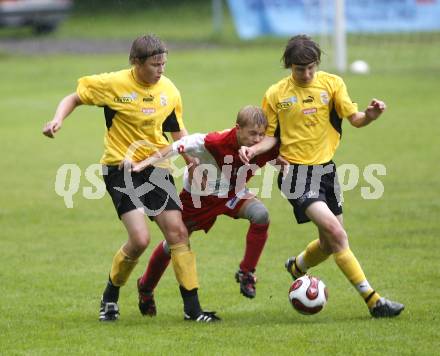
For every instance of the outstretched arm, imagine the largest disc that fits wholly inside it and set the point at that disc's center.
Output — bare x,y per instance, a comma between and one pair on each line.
187,144
156,157
65,107
371,113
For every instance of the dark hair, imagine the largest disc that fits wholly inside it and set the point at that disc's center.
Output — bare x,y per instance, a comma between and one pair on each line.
251,115
301,50
146,46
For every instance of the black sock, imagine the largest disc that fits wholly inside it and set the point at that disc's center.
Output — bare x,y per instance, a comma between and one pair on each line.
111,293
191,304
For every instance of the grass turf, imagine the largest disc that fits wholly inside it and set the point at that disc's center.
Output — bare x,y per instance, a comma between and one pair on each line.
55,260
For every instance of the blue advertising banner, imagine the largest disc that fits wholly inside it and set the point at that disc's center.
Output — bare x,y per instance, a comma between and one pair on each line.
255,18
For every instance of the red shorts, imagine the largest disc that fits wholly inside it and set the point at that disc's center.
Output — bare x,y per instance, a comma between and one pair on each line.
211,206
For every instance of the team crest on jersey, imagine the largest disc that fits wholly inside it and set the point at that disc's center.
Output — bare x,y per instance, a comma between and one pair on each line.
287,103
148,111
324,97
163,100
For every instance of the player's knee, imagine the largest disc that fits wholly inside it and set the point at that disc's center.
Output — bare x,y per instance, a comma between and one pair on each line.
177,233
335,230
142,243
257,213
139,240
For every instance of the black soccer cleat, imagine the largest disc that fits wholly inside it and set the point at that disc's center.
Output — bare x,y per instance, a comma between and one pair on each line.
109,311
290,265
247,283
147,305
203,317
385,308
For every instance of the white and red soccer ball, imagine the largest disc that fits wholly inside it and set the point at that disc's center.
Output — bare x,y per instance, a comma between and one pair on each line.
308,295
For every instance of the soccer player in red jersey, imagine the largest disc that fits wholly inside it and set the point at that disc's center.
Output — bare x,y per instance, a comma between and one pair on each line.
216,187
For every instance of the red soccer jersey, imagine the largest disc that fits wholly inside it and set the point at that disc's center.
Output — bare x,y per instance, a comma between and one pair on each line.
224,144
218,154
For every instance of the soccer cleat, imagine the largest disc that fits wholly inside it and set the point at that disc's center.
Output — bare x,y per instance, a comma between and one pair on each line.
109,311
203,317
291,263
247,283
385,308
147,305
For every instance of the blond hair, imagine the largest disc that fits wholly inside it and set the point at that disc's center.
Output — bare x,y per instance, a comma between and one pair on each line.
251,115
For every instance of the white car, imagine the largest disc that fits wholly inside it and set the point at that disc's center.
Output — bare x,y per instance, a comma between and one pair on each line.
43,15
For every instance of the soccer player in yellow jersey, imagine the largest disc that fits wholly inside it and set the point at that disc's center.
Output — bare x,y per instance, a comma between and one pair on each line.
305,112
140,104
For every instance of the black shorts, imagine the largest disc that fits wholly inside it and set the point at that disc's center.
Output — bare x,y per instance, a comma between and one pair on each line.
304,185
153,190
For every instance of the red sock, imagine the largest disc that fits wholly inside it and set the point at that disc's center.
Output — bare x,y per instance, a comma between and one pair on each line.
157,265
255,240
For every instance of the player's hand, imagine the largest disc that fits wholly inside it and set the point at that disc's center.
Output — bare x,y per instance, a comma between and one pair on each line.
51,127
246,154
126,164
283,164
139,167
375,109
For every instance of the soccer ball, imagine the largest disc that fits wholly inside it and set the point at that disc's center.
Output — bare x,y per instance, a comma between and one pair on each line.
308,295
359,67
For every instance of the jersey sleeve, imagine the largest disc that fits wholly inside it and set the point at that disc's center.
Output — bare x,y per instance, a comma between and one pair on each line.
343,104
174,121
92,89
271,115
194,143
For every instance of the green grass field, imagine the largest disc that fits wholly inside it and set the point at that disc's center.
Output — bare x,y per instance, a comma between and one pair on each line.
54,261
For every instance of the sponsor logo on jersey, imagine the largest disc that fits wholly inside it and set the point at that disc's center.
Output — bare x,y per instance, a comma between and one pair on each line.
163,100
123,99
148,99
286,103
181,148
126,98
324,97
310,111
148,111
310,99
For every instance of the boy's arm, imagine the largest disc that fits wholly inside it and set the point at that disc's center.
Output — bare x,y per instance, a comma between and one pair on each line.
371,113
65,107
158,156
187,144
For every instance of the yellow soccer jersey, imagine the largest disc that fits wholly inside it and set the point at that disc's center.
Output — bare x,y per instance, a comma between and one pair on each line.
307,118
136,116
